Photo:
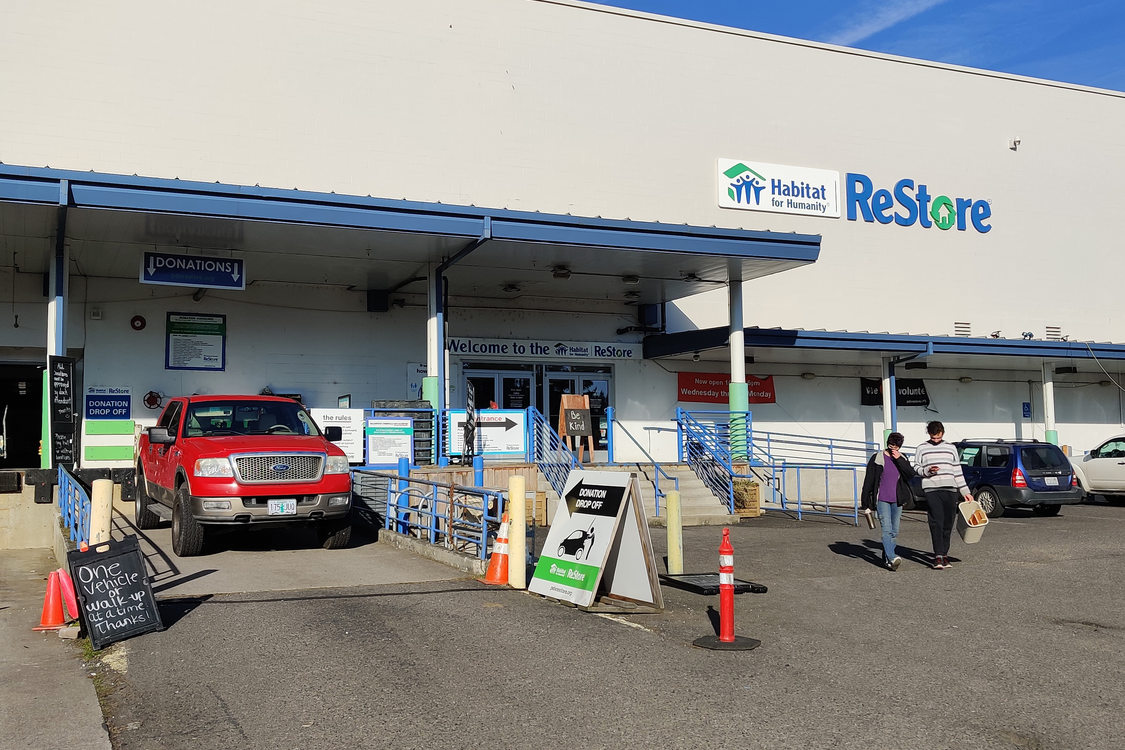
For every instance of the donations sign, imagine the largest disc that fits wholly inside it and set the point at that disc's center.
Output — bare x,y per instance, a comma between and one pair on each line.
714,388
599,541
171,269
108,402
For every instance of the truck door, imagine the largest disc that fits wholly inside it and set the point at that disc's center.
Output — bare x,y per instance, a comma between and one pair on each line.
161,463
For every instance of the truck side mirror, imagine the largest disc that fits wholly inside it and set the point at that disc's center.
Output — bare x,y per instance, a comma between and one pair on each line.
334,433
160,436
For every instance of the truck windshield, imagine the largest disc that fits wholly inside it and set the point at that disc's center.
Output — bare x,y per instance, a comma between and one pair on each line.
211,418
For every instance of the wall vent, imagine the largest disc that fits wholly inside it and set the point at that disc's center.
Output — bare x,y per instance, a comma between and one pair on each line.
963,329
1054,333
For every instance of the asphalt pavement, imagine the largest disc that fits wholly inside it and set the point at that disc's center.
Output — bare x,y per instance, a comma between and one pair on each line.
1020,645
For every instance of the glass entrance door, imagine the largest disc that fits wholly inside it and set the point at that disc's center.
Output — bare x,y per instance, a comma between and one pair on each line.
501,390
596,386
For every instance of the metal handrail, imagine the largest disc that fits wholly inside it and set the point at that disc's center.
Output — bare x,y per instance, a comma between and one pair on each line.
446,514
74,505
548,451
611,417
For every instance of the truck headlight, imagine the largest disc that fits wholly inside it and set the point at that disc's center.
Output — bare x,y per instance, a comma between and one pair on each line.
337,465
213,467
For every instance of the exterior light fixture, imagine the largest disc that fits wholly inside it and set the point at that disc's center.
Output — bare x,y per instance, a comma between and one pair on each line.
808,375
915,365
1066,370
510,288
695,357
632,295
560,272
630,280
965,379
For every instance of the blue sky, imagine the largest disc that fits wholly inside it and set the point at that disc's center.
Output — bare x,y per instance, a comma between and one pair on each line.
1077,41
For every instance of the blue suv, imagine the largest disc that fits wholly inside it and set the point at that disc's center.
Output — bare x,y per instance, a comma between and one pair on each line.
1010,473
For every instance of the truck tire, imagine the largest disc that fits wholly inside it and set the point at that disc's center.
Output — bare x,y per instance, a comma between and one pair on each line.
334,534
187,534
142,516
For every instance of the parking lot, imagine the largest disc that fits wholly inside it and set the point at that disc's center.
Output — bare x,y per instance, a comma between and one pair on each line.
1020,645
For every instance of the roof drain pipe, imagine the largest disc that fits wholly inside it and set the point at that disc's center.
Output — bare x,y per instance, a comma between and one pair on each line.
890,390
438,295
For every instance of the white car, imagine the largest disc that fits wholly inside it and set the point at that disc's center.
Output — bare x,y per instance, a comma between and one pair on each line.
1102,470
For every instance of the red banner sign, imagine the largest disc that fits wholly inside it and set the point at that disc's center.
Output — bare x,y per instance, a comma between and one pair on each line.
714,388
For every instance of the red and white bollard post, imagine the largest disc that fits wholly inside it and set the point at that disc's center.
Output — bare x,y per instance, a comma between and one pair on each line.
726,640
726,589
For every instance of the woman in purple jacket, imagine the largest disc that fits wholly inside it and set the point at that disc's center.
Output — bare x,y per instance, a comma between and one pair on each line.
886,487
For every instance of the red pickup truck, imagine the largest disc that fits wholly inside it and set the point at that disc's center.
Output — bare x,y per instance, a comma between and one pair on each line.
241,461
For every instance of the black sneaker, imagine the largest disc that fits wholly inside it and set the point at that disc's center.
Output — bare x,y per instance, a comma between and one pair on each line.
948,564
939,562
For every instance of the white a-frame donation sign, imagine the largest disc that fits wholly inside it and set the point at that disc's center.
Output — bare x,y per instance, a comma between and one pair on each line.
598,542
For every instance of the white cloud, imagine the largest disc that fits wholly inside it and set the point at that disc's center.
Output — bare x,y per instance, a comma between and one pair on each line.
880,19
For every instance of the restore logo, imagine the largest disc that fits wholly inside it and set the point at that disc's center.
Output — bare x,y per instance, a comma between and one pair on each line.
908,203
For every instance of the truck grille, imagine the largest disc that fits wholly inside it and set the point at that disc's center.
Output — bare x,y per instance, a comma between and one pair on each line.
278,467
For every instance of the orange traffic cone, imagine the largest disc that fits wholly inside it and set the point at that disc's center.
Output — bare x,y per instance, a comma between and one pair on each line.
69,596
498,563
52,618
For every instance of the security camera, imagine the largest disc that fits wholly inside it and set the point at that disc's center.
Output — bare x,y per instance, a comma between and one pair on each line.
695,357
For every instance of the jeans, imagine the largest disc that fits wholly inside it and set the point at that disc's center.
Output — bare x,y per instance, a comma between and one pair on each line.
941,508
889,516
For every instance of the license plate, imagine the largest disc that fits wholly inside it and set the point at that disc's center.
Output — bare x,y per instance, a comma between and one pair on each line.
286,507
1053,481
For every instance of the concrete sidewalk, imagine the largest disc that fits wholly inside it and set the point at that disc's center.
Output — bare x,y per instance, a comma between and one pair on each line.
47,699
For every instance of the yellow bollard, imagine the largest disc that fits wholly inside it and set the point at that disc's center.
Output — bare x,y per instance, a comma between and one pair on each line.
101,511
675,533
517,532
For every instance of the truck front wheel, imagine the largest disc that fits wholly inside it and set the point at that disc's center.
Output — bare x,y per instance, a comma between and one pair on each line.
334,534
142,516
187,534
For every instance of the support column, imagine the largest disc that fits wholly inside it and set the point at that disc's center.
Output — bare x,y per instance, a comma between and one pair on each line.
738,393
1050,433
434,339
890,403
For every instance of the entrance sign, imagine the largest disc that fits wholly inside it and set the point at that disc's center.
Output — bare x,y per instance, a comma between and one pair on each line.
599,542
531,349
114,592
195,342
170,269
388,440
350,422
499,432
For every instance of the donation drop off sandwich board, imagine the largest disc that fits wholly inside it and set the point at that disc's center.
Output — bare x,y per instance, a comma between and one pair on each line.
598,541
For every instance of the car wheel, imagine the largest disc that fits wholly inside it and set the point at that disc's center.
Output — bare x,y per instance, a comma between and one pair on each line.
1042,509
187,534
989,502
142,516
334,534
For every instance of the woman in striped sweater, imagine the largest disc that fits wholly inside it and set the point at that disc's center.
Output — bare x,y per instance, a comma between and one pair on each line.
937,462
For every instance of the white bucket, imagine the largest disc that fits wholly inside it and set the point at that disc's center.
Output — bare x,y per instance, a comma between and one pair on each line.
970,533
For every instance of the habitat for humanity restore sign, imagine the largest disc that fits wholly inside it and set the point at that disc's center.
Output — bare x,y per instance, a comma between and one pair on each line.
757,186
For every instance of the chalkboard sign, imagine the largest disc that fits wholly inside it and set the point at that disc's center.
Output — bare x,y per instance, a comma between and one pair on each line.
114,593
60,384
578,422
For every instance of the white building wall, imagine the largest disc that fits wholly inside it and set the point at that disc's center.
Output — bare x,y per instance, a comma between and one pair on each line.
563,107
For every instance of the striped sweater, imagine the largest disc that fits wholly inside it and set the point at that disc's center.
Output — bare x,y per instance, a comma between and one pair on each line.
944,456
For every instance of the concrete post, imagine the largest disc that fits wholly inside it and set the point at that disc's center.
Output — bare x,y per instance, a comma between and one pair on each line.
1050,433
101,511
675,533
517,531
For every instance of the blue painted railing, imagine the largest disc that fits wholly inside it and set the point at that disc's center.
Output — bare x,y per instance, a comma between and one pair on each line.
782,461
659,471
548,451
464,519
74,505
